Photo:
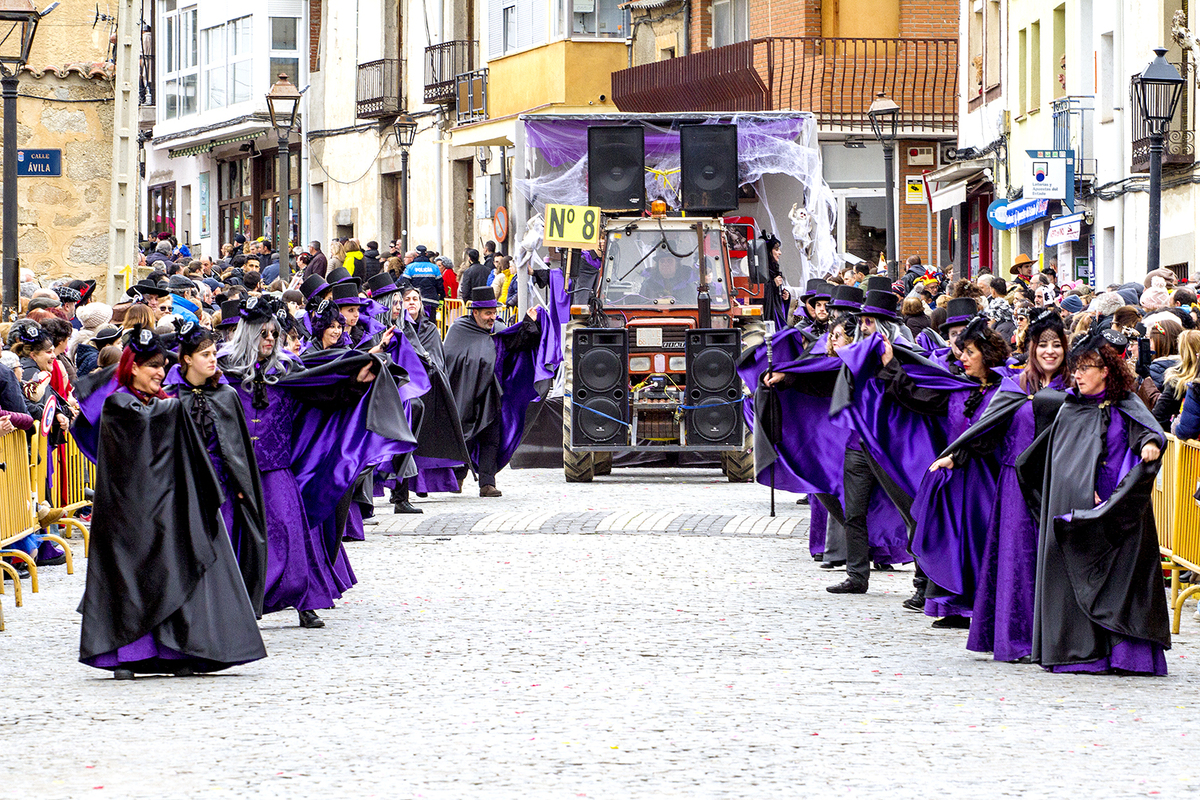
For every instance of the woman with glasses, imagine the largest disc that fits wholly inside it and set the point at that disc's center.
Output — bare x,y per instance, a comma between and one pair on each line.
1099,603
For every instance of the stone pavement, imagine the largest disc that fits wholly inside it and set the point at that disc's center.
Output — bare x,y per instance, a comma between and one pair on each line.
646,636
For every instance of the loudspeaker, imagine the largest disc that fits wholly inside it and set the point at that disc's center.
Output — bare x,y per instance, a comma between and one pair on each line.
617,167
714,388
599,387
708,156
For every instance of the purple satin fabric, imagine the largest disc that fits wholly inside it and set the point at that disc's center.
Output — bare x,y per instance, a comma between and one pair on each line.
403,354
298,571
519,374
818,520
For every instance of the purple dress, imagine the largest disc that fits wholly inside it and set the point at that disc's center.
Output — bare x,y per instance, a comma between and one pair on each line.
1002,618
1128,654
299,573
958,421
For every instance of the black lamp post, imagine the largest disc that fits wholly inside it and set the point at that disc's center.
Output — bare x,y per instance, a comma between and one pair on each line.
885,116
283,103
1157,91
18,24
406,132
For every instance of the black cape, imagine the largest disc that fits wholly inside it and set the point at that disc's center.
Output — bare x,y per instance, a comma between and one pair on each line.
471,369
1099,571
160,558
221,407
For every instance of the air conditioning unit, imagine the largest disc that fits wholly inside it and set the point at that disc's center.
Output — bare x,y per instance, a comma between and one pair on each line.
949,153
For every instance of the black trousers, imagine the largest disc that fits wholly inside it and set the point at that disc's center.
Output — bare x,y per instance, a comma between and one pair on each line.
858,481
488,443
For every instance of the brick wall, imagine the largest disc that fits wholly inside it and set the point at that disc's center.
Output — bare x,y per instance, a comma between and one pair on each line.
913,218
929,19
314,35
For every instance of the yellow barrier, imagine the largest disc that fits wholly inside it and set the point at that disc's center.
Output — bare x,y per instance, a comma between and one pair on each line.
1163,497
1185,525
448,311
39,479
72,476
17,516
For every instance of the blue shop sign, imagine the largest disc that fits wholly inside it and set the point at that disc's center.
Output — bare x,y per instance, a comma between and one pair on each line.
1004,215
39,163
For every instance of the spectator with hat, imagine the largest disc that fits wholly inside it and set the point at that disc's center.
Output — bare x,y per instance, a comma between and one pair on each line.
426,276
185,303
1022,270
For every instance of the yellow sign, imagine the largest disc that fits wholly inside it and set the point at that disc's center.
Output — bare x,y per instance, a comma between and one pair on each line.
572,226
914,194
126,272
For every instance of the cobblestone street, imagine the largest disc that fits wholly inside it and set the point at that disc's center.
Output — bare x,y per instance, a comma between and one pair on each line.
653,634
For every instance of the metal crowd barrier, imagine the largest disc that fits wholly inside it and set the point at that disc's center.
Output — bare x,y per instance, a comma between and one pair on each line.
448,311
1177,514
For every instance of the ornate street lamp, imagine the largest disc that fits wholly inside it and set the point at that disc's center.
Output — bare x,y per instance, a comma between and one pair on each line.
885,116
18,24
1157,91
283,103
406,133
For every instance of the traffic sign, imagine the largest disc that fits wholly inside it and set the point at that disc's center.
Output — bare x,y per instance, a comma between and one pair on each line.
572,226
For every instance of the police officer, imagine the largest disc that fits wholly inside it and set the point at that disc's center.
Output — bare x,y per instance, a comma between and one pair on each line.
426,276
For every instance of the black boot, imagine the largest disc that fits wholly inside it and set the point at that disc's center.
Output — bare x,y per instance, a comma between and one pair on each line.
309,619
400,498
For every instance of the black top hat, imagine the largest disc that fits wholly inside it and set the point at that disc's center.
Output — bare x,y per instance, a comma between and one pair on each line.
880,304
878,283
106,336
847,298
230,313
483,297
381,285
341,275
816,289
313,285
146,287
959,312
346,294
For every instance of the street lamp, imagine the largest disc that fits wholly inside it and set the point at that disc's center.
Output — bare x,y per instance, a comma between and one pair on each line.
406,133
18,24
283,102
1157,91
885,115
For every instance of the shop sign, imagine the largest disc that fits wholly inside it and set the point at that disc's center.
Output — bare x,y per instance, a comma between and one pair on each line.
1004,215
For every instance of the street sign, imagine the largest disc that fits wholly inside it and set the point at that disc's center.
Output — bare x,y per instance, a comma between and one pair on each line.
572,226
39,163
1051,176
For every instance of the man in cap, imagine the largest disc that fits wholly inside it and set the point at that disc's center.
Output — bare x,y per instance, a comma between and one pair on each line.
480,366
185,301
426,276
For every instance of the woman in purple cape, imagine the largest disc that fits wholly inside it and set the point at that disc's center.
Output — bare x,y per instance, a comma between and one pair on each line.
163,594
1002,615
1099,603
301,572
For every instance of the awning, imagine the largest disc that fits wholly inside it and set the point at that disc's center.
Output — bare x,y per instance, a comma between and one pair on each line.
948,185
208,147
488,133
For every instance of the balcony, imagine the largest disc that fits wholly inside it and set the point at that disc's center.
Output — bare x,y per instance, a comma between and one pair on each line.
1072,117
146,80
470,93
1179,148
443,63
378,90
835,79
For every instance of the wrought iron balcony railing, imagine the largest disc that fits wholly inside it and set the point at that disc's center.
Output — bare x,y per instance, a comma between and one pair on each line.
378,90
146,80
1072,118
1179,146
443,63
835,78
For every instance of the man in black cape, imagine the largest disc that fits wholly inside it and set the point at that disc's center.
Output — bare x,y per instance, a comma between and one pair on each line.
473,355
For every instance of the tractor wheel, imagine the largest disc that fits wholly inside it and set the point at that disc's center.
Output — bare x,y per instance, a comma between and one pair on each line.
738,465
578,466
603,463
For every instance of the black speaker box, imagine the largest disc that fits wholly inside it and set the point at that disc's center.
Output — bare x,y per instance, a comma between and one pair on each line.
708,156
599,383
617,168
714,388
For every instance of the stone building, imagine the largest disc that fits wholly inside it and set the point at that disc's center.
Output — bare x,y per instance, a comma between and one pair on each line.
65,104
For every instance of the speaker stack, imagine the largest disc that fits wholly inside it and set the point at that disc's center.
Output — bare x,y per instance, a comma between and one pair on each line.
617,168
599,383
708,156
713,387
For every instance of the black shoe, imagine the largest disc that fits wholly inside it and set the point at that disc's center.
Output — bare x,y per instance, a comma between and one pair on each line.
915,603
421,494
122,674
879,566
309,619
52,562
802,501
1024,660
184,672
847,586
818,556
406,507
951,622
833,564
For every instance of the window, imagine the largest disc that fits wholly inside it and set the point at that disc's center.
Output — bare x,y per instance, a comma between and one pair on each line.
509,28
180,49
1035,67
975,49
598,18
1022,70
227,61
161,205
285,53
991,46
1105,78
730,22
1059,52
